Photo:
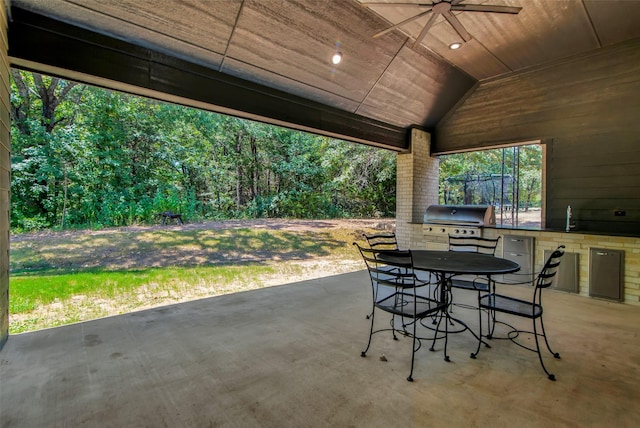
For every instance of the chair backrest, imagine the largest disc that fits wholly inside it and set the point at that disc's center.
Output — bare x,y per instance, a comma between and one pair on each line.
386,241
550,268
473,244
392,268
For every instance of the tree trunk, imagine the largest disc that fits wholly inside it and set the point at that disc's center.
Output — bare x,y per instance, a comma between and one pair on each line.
65,186
20,109
239,171
255,169
51,97
51,100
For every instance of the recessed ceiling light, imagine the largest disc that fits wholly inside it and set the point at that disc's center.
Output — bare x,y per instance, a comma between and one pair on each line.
336,58
454,46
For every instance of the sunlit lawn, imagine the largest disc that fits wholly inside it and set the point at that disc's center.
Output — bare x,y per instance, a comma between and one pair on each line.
28,292
58,279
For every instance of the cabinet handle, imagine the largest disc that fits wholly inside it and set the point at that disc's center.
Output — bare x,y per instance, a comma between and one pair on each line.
602,253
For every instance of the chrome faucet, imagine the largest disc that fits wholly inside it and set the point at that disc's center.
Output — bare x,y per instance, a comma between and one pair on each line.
569,215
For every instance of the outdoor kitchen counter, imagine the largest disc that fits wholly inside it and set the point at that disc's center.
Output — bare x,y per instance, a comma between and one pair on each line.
516,229
573,231
581,242
410,235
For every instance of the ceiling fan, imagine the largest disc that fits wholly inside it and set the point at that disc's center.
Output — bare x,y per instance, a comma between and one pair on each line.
444,8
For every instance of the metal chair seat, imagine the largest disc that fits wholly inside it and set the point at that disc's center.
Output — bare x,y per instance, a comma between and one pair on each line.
396,290
408,305
469,285
531,309
511,305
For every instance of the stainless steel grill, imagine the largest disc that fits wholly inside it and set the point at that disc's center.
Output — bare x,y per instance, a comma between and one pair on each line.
440,221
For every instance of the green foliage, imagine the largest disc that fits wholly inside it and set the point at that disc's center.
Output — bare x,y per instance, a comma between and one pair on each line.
102,158
493,177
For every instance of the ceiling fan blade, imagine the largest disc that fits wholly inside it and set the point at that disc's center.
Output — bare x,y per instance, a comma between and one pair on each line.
400,24
398,4
486,8
425,30
457,25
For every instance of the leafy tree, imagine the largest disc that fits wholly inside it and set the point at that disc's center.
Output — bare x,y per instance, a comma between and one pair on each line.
42,111
88,156
498,176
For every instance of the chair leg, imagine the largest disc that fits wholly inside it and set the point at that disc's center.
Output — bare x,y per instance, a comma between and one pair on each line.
364,353
444,314
437,329
475,354
446,339
480,310
393,327
413,352
491,323
535,334
546,341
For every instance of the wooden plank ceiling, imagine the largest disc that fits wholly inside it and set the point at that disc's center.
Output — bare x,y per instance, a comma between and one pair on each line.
287,44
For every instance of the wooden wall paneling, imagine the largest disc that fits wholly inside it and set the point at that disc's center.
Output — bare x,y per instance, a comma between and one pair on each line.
297,39
614,20
39,40
432,94
589,106
246,71
206,24
146,22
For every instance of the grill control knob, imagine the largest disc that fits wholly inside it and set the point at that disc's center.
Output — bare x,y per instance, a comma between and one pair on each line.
443,230
472,232
464,231
429,229
457,231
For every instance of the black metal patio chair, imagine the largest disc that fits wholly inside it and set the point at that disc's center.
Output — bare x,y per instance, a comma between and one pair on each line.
397,291
531,309
471,244
382,241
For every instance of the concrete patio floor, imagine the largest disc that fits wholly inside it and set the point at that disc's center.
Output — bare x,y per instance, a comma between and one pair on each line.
289,356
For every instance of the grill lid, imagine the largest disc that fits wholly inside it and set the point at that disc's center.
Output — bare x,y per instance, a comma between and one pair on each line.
461,215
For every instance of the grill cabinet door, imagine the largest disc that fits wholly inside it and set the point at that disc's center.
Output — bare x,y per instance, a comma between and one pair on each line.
520,250
605,273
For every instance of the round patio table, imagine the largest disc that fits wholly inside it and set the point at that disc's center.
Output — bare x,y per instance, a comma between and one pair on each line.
445,264
449,263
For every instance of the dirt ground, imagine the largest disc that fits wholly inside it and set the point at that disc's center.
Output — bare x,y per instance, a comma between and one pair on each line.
117,251
130,248
272,224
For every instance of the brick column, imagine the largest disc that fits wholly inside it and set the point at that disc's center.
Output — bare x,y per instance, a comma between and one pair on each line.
5,177
416,189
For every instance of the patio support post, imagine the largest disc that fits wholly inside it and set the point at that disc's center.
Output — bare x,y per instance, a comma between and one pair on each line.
5,175
416,189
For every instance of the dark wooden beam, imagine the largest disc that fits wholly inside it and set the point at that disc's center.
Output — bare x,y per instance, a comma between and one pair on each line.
43,44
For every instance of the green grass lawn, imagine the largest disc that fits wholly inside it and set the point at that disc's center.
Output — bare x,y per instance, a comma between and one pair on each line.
28,292
46,300
61,278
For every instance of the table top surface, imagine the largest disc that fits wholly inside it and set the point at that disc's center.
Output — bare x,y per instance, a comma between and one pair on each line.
453,262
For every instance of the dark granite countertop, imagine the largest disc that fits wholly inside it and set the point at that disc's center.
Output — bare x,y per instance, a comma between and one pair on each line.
574,231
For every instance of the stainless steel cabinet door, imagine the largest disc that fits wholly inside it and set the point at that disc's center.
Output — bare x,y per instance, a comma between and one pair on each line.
605,273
